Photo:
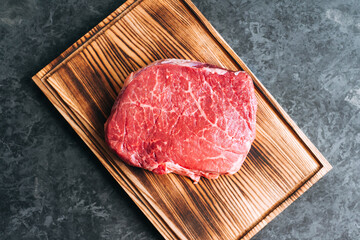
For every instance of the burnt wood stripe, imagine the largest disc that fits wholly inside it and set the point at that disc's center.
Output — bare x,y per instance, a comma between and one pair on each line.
150,50
175,46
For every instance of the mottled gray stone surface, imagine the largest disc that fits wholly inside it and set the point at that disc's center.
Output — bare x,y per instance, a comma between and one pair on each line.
52,187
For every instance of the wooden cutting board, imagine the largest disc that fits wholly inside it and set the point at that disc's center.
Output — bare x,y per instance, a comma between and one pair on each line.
84,81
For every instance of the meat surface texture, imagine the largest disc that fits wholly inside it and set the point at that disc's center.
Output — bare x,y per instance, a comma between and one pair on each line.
185,117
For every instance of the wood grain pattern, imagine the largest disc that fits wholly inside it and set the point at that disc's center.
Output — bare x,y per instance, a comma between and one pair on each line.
83,82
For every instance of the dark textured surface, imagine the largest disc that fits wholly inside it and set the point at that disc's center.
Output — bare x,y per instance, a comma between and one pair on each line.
53,187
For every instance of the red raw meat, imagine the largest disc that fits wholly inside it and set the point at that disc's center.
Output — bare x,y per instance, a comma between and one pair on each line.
184,117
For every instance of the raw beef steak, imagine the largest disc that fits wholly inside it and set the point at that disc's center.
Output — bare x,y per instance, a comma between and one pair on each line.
184,117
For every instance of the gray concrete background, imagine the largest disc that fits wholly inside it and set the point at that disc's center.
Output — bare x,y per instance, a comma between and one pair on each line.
52,187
